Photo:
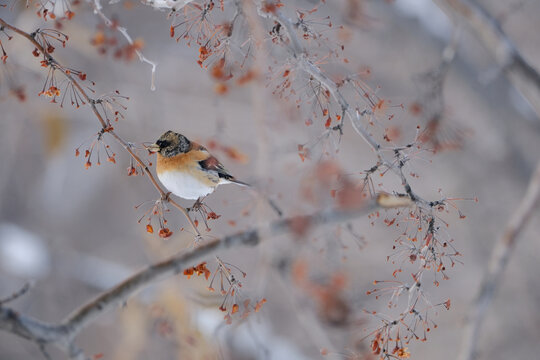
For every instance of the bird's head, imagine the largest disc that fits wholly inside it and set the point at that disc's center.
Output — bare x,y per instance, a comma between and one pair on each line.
170,144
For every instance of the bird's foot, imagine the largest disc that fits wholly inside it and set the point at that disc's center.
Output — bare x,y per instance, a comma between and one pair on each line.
166,197
197,205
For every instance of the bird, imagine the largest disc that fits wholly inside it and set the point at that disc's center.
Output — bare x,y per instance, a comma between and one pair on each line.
188,170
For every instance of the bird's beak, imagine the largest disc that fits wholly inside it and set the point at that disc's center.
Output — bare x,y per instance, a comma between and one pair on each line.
152,147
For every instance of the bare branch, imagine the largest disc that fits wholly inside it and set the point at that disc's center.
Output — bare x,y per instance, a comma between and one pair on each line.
353,114
167,4
301,59
63,334
23,290
497,264
104,123
122,30
518,70
331,86
313,70
30,328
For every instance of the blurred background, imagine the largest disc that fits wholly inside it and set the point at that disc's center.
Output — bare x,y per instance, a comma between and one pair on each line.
74,232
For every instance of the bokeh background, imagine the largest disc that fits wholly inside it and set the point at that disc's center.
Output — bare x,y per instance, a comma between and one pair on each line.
73,232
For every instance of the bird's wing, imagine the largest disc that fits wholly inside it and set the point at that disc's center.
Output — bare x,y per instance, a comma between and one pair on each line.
212,165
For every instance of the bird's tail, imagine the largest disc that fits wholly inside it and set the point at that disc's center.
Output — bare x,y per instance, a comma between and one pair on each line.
270,202
238,182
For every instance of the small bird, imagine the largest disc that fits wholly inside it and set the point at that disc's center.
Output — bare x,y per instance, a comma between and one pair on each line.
188,170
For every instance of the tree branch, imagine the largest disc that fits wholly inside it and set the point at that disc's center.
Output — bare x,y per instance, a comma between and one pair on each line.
300,55
519,72
63,333
105,125
355,117
98,9
23,290
497,264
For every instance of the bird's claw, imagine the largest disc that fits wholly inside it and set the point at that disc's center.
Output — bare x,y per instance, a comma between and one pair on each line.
166,197
197,205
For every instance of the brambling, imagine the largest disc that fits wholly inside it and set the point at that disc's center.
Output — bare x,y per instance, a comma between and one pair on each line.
188,170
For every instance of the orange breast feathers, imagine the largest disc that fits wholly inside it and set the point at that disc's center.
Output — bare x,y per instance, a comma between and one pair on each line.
187,163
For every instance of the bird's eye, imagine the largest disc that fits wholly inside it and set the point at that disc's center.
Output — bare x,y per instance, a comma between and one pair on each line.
162,143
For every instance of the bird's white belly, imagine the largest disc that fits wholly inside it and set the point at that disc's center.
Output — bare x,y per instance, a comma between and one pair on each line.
184,185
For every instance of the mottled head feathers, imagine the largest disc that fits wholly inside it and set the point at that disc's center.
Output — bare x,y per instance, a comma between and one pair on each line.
171,143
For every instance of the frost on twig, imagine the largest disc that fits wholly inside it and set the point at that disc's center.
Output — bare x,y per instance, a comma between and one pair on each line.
98,9
167,4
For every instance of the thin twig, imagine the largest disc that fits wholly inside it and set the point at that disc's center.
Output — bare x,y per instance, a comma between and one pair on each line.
353,114
497,264
300,55
122,30
63,333
519,71
23,290
301,58
105,125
